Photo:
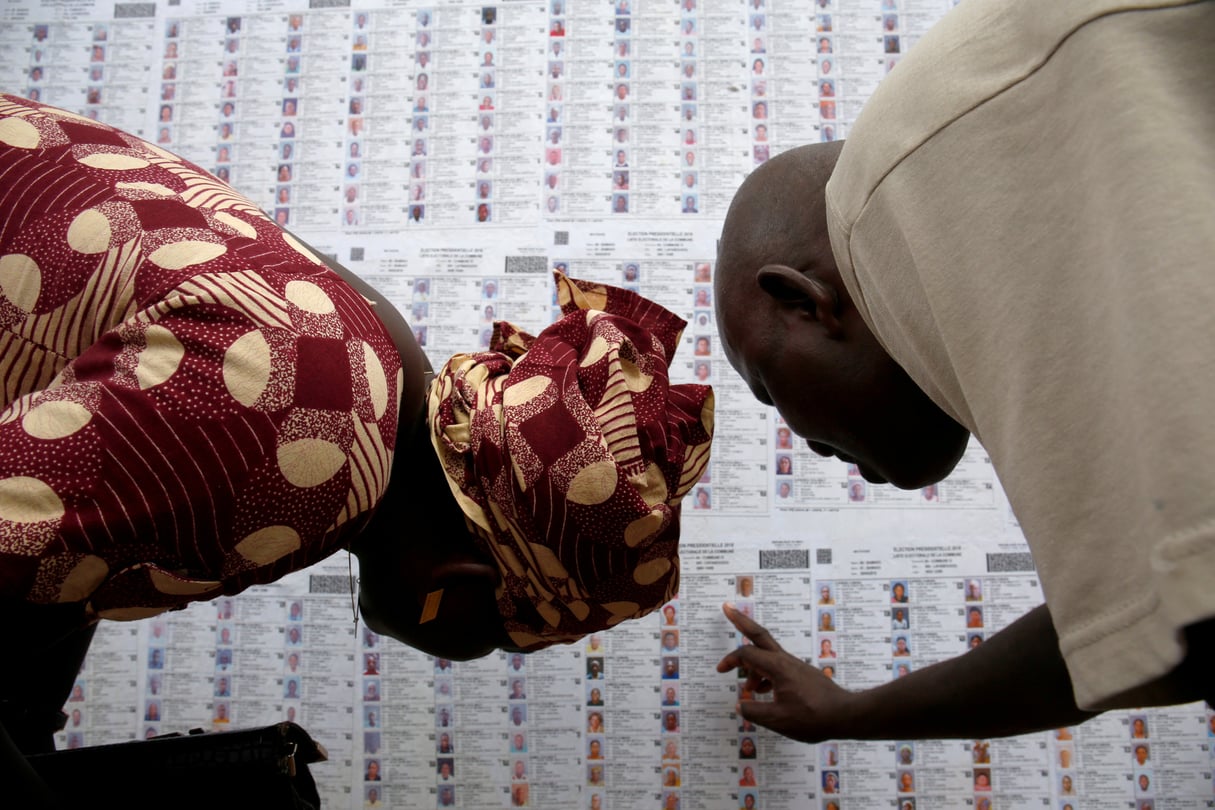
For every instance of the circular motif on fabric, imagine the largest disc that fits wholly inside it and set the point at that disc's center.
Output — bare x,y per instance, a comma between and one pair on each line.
28,500
550,614
166,583
580,610
593,315
473,375
55,419
160,358
547,561
89,232
187,253
18,133
593,484
247,367
596,301
652,485
309,462
525,391
643,528
650,572
598,348
264,546
377,380
299,248
237,224
636,379
524,640
83,579
20,280
309,297
620,611
113,162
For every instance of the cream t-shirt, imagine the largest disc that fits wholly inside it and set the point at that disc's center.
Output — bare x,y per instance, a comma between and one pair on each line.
1025,215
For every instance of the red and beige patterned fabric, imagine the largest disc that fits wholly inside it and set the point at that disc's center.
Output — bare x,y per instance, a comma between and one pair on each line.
191,402
569,454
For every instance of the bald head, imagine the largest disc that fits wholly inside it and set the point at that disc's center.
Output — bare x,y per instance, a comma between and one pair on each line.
779,213
778,216
790,329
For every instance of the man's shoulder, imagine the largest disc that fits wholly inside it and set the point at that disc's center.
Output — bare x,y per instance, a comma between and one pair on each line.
977,51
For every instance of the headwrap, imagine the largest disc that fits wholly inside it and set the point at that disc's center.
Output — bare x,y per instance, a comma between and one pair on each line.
569,454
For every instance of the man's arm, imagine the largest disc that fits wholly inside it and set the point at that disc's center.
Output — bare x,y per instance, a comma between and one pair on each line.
1014,683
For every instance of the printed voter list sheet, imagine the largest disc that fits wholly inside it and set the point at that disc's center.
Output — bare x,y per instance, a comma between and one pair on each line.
455,154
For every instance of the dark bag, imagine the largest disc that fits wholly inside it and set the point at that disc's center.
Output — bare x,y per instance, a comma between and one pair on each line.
261,767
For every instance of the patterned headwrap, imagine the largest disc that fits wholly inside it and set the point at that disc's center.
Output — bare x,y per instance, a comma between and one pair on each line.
569,454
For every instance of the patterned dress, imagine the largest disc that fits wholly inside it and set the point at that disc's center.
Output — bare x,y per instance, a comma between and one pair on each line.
191,402
570,454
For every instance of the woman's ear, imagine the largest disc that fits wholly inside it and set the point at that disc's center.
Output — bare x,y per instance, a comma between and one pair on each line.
816,297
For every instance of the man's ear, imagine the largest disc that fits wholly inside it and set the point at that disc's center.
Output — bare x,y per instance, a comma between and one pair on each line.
792,287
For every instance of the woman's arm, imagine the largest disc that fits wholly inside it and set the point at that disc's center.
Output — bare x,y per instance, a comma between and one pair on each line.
418,544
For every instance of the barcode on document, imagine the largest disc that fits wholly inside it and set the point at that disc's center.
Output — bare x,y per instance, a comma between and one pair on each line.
822,556
330,583
128,10
1019,561
357,254
561,237
784,558
526,264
